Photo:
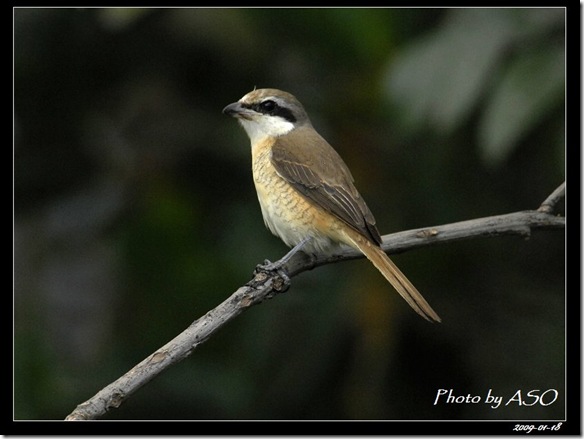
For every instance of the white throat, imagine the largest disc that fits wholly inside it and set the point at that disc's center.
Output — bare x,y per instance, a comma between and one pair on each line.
265,126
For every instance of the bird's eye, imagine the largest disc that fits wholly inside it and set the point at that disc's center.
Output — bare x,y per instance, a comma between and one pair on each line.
267,106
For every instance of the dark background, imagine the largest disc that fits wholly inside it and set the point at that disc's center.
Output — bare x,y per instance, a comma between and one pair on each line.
135,211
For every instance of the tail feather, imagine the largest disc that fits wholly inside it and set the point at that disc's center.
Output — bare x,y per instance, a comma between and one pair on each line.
393,274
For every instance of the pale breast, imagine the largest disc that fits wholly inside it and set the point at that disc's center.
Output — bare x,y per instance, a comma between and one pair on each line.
287,213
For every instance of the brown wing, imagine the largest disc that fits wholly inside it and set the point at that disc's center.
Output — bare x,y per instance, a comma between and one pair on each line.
315,169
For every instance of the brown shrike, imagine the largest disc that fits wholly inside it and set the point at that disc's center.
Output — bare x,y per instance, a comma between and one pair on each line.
306,191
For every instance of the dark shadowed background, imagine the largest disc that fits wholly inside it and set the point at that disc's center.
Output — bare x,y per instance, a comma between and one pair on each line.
135,211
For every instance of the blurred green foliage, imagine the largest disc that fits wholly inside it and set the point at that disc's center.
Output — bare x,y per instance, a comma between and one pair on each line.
135,212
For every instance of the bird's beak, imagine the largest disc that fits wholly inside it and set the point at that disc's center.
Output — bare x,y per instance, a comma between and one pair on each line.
233,109
238,111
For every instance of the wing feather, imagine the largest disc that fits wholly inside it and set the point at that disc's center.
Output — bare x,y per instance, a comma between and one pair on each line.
314,168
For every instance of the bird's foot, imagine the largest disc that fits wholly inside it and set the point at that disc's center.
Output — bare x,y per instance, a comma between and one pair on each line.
282,280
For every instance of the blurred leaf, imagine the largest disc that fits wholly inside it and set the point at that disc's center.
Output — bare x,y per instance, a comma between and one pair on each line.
439,78
114,19
531,84
371,26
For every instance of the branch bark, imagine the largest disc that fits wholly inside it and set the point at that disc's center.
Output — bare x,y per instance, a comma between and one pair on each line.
265,285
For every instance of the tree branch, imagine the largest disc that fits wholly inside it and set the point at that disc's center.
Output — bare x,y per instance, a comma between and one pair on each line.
550,202
265,285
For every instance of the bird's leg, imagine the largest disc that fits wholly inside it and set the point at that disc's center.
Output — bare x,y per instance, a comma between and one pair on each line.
277,266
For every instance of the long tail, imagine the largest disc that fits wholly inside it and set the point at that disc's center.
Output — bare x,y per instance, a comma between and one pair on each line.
393,274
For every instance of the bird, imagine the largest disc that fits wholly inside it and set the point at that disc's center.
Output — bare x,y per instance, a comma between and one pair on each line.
306,192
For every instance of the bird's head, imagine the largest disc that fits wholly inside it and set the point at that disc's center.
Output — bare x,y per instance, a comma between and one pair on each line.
268,112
